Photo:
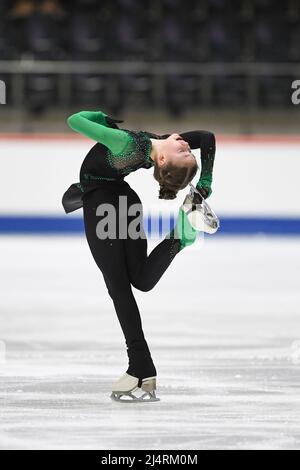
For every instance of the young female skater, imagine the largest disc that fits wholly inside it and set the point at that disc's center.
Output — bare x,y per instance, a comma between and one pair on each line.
124,261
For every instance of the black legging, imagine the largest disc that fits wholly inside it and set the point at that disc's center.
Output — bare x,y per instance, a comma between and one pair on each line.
124,262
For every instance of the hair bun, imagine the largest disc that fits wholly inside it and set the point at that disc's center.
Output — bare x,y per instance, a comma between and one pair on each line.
166,193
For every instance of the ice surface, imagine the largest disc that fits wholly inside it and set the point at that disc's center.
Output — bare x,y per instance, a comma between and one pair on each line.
222,324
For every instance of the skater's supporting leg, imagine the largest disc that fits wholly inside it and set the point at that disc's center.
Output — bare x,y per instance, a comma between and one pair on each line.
109,255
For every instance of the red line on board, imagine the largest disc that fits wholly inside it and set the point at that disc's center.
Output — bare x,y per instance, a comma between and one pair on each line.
221,138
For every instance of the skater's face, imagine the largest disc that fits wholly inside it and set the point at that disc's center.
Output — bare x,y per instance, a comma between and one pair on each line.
177,151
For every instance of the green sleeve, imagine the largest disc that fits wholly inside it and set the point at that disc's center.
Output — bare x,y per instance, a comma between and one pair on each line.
205,180
93,124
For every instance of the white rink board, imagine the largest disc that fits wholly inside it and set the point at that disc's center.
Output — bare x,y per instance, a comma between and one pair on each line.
249,178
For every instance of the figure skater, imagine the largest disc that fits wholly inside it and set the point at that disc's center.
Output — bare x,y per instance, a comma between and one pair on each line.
124,261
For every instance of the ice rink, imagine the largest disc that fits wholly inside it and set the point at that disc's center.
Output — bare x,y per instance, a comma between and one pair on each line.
222,324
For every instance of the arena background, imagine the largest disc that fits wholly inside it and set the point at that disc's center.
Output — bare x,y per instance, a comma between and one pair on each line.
229,363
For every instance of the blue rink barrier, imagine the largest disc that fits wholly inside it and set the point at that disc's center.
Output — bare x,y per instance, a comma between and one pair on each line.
158,225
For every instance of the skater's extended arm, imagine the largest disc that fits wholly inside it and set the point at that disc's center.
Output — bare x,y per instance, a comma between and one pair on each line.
206,142
93,124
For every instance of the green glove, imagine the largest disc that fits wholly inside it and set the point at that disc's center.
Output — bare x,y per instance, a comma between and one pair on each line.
204,188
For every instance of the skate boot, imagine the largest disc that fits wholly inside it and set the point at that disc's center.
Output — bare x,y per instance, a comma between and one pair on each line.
130,389
199,214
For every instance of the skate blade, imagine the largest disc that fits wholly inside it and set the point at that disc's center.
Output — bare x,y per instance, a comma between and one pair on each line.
148,397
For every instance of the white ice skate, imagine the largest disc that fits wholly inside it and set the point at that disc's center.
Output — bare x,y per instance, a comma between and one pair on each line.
199,213
129,389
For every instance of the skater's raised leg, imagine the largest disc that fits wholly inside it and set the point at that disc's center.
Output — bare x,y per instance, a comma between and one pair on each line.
146,270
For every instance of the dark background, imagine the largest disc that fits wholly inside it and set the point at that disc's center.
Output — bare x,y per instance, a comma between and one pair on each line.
168,57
